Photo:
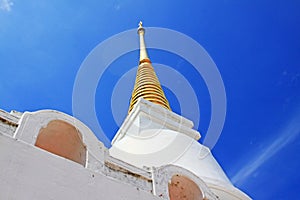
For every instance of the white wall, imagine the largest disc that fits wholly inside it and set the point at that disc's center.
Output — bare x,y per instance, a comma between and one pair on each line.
28,172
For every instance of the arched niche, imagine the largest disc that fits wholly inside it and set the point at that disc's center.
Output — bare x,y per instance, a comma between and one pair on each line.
182,188
62,139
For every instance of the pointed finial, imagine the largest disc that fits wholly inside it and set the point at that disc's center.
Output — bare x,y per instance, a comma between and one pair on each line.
141,29
141,24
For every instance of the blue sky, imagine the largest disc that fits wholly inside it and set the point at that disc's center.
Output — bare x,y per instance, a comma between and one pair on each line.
255,45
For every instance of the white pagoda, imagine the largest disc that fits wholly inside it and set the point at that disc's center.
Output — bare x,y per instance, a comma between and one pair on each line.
154,155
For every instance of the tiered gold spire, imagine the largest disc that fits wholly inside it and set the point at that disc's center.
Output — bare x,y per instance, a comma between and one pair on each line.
147,85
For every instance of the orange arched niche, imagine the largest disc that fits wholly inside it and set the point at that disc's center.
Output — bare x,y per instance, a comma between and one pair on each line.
182,188
63,139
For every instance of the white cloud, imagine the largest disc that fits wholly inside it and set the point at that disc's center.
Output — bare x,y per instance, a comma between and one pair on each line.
287,135
6,5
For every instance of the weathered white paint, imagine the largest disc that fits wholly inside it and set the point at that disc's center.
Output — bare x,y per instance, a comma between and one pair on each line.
28,172
152,146
8,123
154,136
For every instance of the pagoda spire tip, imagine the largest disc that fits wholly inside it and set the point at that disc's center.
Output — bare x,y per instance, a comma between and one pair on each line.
140,24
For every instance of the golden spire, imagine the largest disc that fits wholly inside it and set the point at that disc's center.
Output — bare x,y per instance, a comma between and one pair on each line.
147,85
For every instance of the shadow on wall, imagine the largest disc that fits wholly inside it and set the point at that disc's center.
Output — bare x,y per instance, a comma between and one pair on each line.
62,139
